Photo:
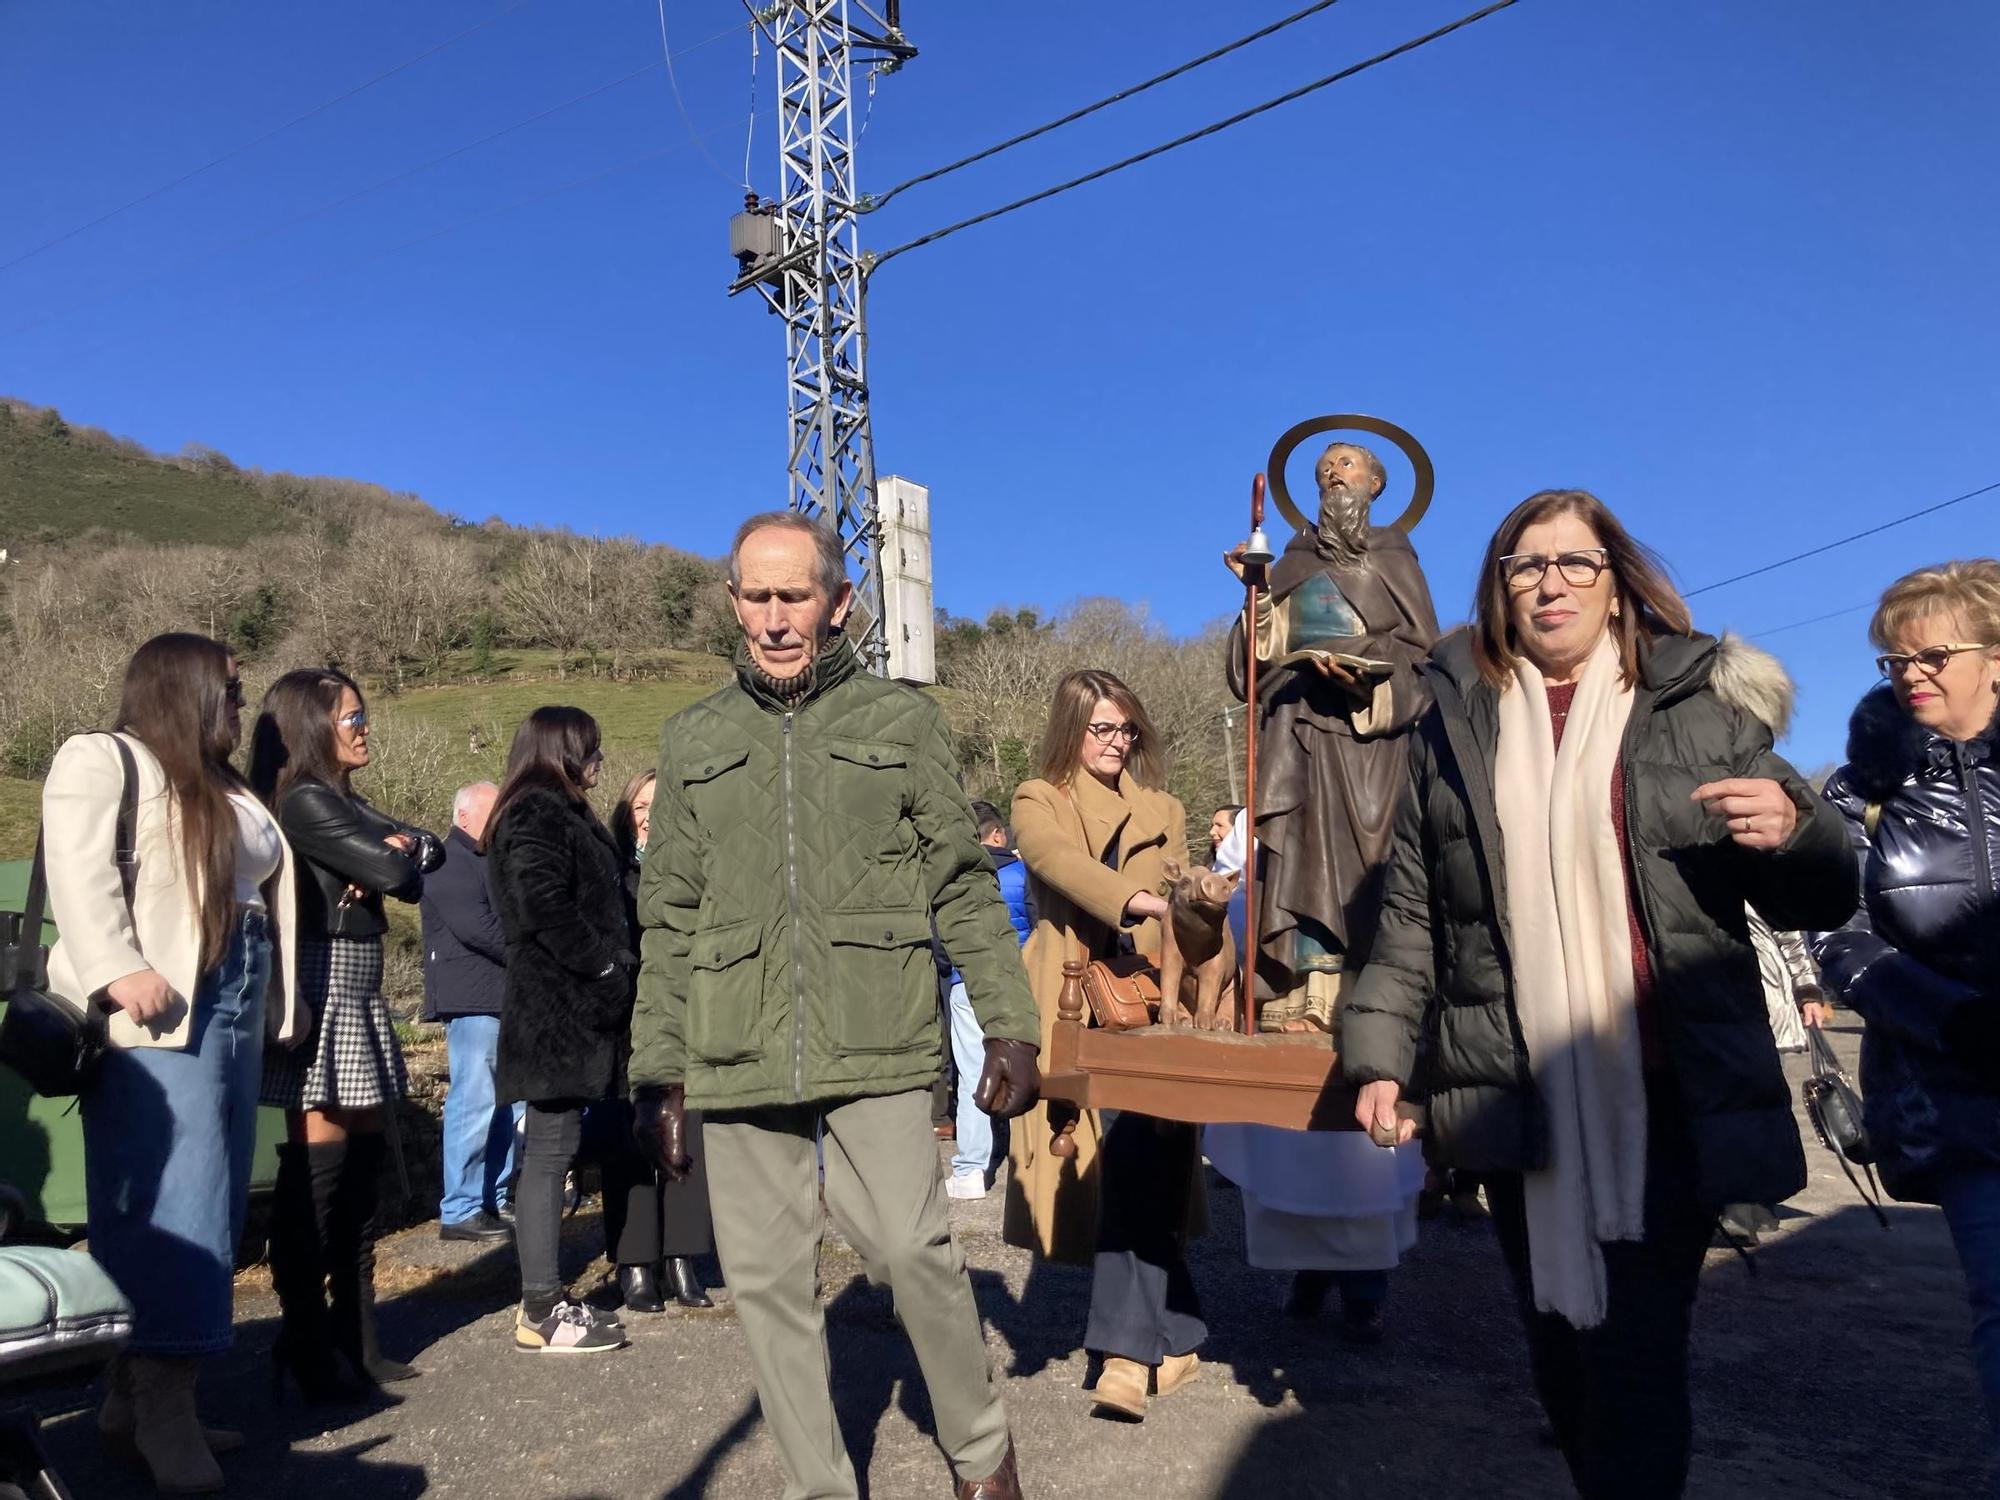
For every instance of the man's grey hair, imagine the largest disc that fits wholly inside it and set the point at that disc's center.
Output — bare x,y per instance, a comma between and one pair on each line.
465,795
831,571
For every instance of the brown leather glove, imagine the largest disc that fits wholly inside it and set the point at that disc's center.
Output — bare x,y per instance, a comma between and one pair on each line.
1010,1083
659,1125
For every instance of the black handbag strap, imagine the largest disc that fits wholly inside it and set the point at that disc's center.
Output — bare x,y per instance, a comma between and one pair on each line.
125,852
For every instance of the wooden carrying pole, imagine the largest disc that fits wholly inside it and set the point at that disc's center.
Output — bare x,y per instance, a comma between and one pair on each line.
1253,579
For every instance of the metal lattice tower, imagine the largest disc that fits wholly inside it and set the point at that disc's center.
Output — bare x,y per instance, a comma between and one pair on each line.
805,259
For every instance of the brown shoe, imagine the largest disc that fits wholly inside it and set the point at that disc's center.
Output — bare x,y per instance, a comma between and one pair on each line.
1004,1483
1121,1388
1175,1371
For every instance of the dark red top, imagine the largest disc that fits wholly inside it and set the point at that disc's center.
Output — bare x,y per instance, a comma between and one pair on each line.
1652,1048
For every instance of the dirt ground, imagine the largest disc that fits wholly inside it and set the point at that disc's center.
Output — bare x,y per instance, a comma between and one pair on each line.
1833,1365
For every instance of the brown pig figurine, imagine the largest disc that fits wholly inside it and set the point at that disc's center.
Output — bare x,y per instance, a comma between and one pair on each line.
1197,956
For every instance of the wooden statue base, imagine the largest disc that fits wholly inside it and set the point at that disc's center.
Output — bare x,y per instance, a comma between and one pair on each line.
1203,1077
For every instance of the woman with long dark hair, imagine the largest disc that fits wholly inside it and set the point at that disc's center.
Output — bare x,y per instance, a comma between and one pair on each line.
338,1086
1117,1190
1921,959
653,1230
565,1025
191,950
1594,801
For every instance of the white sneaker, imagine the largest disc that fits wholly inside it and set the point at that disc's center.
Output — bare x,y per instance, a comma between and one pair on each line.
965,1185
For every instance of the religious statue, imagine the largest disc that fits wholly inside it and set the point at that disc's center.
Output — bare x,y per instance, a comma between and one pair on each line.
1340,629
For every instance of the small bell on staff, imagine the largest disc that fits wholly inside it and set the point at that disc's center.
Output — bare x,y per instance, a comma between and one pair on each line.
1257,551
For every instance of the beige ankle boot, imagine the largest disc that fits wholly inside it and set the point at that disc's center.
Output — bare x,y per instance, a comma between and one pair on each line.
1121,1387
1175,1371
164,1428
115,1418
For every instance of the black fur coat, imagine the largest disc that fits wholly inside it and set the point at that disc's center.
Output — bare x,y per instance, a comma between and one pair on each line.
559,888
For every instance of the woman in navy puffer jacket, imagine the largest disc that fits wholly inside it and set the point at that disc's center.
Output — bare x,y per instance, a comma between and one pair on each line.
1921,959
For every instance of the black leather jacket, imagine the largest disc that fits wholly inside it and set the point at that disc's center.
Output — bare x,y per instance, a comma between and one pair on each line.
1921,959
339,838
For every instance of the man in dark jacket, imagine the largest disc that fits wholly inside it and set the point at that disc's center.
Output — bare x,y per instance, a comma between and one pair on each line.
808,828
972,1158
464,973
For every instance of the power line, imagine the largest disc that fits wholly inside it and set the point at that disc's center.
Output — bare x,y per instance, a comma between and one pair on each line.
235,151
333,204
1785,562
1195,135
673,79
873,201
1817,619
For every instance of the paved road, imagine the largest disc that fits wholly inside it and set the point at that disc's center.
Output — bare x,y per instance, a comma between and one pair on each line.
1838,1369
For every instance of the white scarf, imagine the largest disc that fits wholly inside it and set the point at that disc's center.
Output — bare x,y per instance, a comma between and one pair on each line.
1570,937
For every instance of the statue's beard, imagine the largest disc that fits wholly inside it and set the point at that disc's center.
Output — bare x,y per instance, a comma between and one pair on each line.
1343,524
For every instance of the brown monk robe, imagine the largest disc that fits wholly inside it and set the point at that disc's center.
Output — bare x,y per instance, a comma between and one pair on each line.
1331,754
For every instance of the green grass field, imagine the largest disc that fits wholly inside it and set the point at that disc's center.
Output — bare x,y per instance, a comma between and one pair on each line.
629,712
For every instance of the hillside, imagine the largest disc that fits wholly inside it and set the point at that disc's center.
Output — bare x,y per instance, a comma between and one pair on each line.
61,481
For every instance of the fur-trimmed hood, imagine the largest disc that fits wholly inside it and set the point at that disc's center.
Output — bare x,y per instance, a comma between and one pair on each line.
1752,679
1885,746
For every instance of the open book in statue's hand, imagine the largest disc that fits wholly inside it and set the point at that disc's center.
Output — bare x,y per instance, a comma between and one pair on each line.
1367,668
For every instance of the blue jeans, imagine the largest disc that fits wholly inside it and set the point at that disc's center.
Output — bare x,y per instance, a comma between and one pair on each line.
168,1134
1970,1197
968,1055
478,1137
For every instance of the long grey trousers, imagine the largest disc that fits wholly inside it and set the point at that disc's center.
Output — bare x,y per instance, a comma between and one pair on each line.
883,1191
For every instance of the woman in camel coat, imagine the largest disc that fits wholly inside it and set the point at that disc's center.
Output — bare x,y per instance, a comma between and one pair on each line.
1095,831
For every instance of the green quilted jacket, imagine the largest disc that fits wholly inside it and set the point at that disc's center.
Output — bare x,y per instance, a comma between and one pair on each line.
795,864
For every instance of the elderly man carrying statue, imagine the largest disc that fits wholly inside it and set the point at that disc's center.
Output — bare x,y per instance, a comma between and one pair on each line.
1331,752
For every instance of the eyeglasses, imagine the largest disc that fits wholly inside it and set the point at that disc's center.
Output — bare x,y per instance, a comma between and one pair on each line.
1104,734
232,691
356,721
1930,661
1526,570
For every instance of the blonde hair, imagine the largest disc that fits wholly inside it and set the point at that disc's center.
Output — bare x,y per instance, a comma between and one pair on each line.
1077,695
1969,589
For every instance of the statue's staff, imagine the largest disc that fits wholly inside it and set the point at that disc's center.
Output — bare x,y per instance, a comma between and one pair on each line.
1257,556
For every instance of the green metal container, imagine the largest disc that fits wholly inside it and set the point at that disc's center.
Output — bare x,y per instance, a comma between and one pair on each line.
41,1140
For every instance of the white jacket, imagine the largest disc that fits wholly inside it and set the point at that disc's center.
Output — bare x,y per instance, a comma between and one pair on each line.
99,939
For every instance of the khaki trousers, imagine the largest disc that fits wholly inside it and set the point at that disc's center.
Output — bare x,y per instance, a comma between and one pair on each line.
883,1190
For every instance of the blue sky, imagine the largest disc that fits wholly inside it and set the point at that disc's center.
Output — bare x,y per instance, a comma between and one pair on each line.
1730,265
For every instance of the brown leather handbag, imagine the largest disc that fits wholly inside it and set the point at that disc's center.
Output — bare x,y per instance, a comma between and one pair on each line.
1123,992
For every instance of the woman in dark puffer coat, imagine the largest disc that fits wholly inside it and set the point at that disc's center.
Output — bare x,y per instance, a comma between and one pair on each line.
1921,960
1595,799
559,888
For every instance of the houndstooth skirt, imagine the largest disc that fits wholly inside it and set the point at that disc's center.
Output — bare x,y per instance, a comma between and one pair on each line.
350,1059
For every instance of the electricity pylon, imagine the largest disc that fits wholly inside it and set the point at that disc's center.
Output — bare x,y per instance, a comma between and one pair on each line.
802,252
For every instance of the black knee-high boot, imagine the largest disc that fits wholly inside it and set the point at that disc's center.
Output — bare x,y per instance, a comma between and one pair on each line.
352,1226
306,1175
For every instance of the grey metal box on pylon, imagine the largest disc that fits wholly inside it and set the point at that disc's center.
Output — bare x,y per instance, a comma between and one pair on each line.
903,508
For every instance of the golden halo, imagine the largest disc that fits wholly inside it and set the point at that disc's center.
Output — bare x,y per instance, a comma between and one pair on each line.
1420,463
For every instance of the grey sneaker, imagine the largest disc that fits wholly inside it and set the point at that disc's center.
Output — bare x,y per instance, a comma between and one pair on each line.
570,1328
